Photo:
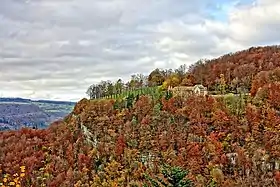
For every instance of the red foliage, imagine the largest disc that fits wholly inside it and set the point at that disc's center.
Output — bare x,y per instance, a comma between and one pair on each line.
274,95
142,107
277,176
146,120
243,65
83,161
120,145
169,105
265,78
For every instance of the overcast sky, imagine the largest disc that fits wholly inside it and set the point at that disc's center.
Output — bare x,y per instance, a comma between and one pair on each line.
54,49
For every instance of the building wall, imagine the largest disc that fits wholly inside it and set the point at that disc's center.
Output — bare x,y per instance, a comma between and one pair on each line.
185,91
181,91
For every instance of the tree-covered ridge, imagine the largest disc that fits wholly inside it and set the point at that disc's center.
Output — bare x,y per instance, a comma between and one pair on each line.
139,84
238,68
156,139
238,71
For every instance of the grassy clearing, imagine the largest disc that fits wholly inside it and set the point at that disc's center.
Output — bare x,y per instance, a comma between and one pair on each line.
140,91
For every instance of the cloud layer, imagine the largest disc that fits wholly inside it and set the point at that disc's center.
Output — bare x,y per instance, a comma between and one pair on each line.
54,49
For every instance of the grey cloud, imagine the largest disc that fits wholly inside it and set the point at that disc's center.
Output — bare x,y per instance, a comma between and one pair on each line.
71,13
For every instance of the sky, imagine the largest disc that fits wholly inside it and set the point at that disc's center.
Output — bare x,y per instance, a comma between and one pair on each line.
55,49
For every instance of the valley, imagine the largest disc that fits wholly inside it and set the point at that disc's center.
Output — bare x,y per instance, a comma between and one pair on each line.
16,113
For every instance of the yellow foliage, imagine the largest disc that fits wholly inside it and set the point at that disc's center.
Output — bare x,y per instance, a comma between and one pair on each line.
173,81
22,174
12,183
165,84
13,179
112,176
217,174
79,183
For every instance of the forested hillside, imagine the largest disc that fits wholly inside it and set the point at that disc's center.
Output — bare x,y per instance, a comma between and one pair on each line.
239,69
157,139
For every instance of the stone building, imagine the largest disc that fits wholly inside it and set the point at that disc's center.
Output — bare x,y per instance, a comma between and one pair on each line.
189,90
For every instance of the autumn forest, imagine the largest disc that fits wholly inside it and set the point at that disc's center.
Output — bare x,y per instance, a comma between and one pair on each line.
139,134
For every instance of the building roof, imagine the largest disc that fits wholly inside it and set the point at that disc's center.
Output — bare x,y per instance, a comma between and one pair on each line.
183,88
200,86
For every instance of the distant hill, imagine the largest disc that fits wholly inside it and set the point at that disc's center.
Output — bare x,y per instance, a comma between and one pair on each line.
16,113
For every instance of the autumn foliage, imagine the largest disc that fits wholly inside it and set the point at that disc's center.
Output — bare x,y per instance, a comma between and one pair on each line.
239,68
193,141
